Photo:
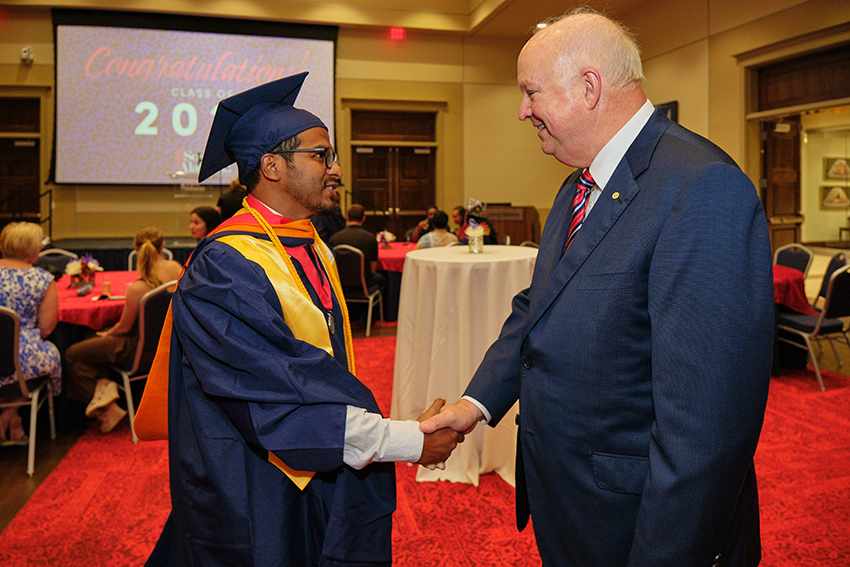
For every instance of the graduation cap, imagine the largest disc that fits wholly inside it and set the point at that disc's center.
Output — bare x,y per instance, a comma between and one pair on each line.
251,123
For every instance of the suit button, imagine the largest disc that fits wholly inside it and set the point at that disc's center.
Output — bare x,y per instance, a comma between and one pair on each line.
526,363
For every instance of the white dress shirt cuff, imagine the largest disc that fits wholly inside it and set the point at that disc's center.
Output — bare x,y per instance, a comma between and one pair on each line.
369,438
479,405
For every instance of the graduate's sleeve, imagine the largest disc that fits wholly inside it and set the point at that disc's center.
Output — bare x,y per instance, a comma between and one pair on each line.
282,394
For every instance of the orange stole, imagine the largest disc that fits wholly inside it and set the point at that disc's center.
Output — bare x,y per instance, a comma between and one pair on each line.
151,422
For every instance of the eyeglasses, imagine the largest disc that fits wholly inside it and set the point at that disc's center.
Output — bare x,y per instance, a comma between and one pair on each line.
330,154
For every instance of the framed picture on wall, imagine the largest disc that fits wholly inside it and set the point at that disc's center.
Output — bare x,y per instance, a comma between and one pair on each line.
836,168
833,197
670,109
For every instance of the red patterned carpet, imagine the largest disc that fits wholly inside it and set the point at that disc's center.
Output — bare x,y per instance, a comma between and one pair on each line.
803,468
107,500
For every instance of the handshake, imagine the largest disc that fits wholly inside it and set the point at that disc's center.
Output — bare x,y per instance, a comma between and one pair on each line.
444,427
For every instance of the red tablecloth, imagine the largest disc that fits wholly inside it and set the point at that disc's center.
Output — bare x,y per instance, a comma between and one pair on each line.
392,259
789,289
95,314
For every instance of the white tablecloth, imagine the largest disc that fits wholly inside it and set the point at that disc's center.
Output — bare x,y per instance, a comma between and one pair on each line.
452,307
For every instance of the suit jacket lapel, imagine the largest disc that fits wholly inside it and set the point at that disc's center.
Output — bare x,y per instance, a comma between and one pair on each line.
556,270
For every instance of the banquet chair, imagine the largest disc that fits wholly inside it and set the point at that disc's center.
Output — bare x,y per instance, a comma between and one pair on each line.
352,275
529,243
152,310
131,260
794,256
825,325
837,261
54,260
507,240
23,392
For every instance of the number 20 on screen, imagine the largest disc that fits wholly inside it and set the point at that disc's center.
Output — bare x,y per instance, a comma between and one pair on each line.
150,111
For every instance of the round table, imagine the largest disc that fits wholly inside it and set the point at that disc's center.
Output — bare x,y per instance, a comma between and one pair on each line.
452,307
789,289
89,311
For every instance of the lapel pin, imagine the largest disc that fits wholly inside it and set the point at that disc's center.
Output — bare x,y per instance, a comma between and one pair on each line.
616,195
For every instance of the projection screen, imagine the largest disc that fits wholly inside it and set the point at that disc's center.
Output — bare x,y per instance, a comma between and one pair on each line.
134,106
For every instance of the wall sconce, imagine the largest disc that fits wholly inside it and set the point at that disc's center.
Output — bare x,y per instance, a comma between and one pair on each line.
27,55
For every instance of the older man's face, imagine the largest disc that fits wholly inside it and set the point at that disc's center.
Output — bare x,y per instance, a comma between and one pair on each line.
553,103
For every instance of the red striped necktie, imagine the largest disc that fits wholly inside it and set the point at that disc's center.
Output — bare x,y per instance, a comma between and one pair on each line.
585,184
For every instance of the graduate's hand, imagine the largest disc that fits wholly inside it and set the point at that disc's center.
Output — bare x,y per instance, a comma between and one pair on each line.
461,416
438,445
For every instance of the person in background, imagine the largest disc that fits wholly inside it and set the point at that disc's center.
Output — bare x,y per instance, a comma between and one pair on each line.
88,361
459,218
439,236
425,225
31,293
231,201
641,353
203,220
364,240
278,454
330,222
475,211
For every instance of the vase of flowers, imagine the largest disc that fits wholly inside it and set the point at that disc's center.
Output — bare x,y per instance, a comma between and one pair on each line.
385,237
82,271
475,232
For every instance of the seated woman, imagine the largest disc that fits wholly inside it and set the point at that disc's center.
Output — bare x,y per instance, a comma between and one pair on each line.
31,292
88,361
203,220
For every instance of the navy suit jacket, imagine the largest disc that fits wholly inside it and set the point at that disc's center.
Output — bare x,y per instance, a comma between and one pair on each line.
641,360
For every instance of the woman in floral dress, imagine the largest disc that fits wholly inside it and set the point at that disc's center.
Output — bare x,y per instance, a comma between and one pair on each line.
31,292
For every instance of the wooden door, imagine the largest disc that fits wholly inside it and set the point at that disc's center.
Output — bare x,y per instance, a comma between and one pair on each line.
781,179
19,180
20,172
395,184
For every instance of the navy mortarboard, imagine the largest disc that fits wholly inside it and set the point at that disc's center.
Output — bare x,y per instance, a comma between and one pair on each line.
251,123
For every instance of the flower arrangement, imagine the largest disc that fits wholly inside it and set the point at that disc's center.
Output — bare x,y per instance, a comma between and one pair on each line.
476,229
385,237
475,233
82,270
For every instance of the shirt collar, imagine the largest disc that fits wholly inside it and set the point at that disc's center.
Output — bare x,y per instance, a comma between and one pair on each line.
268,213
607,160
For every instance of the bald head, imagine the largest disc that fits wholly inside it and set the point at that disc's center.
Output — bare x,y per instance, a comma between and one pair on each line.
585,38
580,79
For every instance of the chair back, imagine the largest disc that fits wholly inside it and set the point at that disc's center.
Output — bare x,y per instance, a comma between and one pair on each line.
350,263
837,303
54,261
152,310
131,259
529,243
57,251
10,354
837,261
794,256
